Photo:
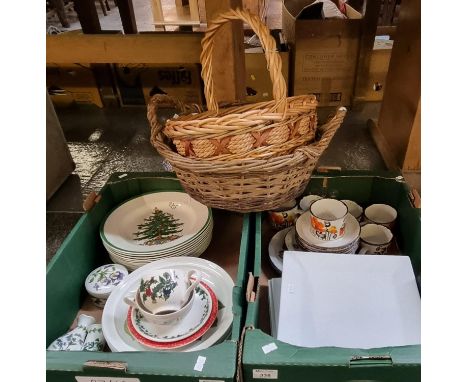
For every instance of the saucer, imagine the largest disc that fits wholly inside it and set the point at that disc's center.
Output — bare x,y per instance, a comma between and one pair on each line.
291,242
304,232
185,327
186,331
275,248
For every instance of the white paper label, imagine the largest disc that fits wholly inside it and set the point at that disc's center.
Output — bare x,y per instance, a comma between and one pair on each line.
211,380
265,374
200,363
269,348
106,379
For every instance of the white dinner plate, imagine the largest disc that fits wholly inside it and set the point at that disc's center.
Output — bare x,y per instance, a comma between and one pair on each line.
115,311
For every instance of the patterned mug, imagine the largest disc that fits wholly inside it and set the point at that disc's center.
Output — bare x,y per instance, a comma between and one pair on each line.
284,216
166,295
375,239
328,218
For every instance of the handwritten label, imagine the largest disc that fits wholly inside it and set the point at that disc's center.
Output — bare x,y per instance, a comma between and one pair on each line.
265,374
106,379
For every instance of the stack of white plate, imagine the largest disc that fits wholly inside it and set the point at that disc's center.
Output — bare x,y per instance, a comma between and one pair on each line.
119,227
347,244
208,322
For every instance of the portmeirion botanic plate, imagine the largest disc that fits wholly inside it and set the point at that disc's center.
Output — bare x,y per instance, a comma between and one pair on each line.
304,232
189,329
114,317
174,216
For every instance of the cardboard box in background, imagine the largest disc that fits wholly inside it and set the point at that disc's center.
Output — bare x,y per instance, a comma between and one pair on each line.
324,53
137,83
72,83
378,68
183,82
258,82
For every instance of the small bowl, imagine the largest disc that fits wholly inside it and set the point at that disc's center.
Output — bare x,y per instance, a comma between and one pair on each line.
101,282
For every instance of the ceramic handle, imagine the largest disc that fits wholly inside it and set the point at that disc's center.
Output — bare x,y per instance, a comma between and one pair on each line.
130,302
194,283
364,251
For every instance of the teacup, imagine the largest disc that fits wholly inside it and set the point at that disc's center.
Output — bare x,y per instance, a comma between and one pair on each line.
307,200
375,239
382,214
328,218
166,295
284,216
353,208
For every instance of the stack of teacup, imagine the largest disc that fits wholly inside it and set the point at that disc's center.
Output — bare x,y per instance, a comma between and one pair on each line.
328,227
376,234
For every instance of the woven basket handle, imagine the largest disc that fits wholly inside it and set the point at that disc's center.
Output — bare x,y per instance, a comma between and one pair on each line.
163,100
269,46
327,131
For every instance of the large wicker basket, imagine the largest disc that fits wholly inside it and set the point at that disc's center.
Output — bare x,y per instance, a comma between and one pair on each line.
242,185
259,130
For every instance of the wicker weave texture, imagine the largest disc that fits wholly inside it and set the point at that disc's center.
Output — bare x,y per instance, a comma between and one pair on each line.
243,185
259,130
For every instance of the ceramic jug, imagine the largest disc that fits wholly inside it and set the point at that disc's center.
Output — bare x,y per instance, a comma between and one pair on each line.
74,340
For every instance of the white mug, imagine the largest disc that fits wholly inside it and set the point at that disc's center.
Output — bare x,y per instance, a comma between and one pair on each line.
382,214
375,239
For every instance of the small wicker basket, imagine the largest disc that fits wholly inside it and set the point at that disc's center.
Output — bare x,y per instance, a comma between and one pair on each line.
259,130
242,185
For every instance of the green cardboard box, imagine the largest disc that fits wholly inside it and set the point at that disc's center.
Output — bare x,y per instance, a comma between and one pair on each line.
82,251
333,364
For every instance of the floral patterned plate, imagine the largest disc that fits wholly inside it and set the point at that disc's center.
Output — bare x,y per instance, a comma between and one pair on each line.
304,232
186,331
115,313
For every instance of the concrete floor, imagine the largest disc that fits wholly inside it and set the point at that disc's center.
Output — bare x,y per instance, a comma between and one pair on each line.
103,141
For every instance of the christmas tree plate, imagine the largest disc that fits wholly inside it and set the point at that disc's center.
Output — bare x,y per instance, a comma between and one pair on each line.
114,318
193,246
154,222
134,263
189,243
191,327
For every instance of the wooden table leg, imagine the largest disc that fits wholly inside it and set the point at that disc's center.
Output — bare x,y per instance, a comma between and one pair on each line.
60,9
